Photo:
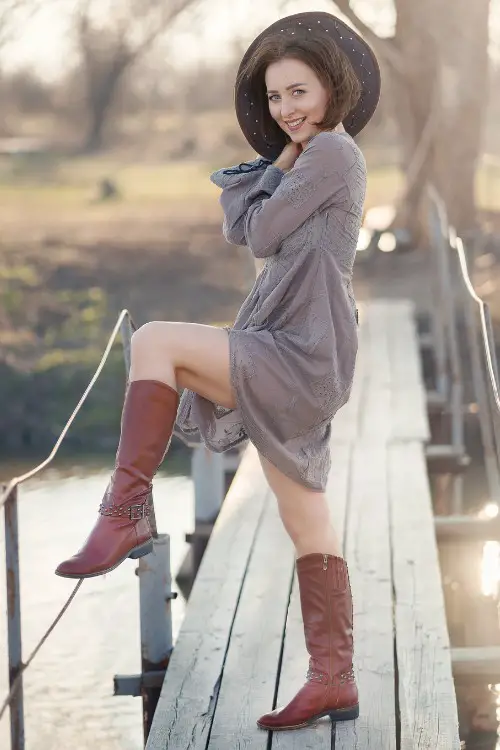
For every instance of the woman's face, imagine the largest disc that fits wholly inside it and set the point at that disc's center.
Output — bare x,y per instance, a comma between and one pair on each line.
296,97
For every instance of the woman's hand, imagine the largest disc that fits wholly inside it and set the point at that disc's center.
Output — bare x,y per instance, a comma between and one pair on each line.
288,156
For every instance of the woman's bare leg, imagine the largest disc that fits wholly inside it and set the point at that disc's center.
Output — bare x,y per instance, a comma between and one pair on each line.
327,611
305,514
194,356
165,356
184,355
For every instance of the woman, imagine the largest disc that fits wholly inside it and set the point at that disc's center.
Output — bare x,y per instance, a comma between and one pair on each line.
279,375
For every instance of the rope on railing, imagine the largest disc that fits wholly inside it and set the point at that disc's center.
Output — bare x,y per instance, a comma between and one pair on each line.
37,648
458,245
16,481
486,329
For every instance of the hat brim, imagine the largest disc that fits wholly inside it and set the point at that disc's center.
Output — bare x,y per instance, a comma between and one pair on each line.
364,63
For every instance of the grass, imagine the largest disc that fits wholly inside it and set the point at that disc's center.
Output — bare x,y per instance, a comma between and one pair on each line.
68,263
68,191
75,185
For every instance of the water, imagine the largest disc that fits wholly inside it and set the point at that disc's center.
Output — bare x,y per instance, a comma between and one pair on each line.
68,688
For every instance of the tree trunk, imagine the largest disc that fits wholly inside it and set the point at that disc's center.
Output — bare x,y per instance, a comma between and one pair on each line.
102,85
439,99
103,75
98,115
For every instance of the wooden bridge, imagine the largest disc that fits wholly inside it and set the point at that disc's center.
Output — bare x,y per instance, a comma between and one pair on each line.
241,649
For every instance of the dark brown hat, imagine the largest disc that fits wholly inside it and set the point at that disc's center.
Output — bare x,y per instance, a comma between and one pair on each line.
250,117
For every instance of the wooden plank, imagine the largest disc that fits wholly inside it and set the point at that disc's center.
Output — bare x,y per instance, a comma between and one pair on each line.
388,362
402,330
390,359
295,656
409,416
375,407
368,557
409,400
187,703
251,667
427,700
223,670
345,424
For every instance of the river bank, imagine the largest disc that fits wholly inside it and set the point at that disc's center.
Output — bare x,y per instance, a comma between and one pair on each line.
71,261
59,301
59,309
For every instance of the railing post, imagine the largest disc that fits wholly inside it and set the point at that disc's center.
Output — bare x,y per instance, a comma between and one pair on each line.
154,592
494,364
127,330
207,471
442,248
491,341
438,322
14,620
486,425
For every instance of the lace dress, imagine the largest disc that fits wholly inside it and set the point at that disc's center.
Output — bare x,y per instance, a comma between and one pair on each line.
293,344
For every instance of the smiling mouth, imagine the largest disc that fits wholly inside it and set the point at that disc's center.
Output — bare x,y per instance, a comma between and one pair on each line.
294,125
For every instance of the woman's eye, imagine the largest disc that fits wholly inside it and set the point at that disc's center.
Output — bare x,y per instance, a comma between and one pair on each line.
275,97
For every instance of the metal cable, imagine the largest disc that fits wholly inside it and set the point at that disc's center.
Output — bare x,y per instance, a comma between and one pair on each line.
458,245
37,648
18,480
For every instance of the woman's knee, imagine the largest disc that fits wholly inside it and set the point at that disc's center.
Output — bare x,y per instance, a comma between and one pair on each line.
150,335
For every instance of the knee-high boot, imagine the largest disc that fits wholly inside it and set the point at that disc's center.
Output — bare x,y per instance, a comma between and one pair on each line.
330,688
122,528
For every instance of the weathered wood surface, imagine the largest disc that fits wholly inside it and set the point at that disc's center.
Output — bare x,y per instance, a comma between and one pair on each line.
241,649
427,706
183,718
367,551
295,656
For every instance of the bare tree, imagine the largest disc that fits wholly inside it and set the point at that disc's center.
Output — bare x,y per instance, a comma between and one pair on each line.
8,9
109,50
11,13
436,66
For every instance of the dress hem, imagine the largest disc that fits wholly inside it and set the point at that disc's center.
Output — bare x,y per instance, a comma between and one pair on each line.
315,487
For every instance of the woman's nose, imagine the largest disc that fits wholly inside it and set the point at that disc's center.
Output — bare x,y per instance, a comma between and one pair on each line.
287,109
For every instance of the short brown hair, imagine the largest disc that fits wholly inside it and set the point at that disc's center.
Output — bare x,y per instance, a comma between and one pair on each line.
323,56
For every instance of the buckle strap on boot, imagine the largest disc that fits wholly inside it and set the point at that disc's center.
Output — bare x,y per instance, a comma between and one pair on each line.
347,676
322,677
313,674
132,512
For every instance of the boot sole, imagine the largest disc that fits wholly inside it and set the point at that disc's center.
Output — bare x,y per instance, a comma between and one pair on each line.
342,714
140,551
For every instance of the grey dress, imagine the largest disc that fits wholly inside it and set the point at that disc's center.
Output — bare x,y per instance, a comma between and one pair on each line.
294,342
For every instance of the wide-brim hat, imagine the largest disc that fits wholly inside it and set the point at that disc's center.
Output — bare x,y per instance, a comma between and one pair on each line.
360,54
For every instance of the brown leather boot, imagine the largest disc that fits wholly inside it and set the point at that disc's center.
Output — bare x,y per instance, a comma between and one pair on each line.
330,689
122,529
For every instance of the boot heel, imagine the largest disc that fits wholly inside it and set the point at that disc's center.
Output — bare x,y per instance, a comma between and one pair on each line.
345,714
142,550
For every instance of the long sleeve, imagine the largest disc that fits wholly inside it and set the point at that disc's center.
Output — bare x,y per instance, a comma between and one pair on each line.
276,208
236,185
